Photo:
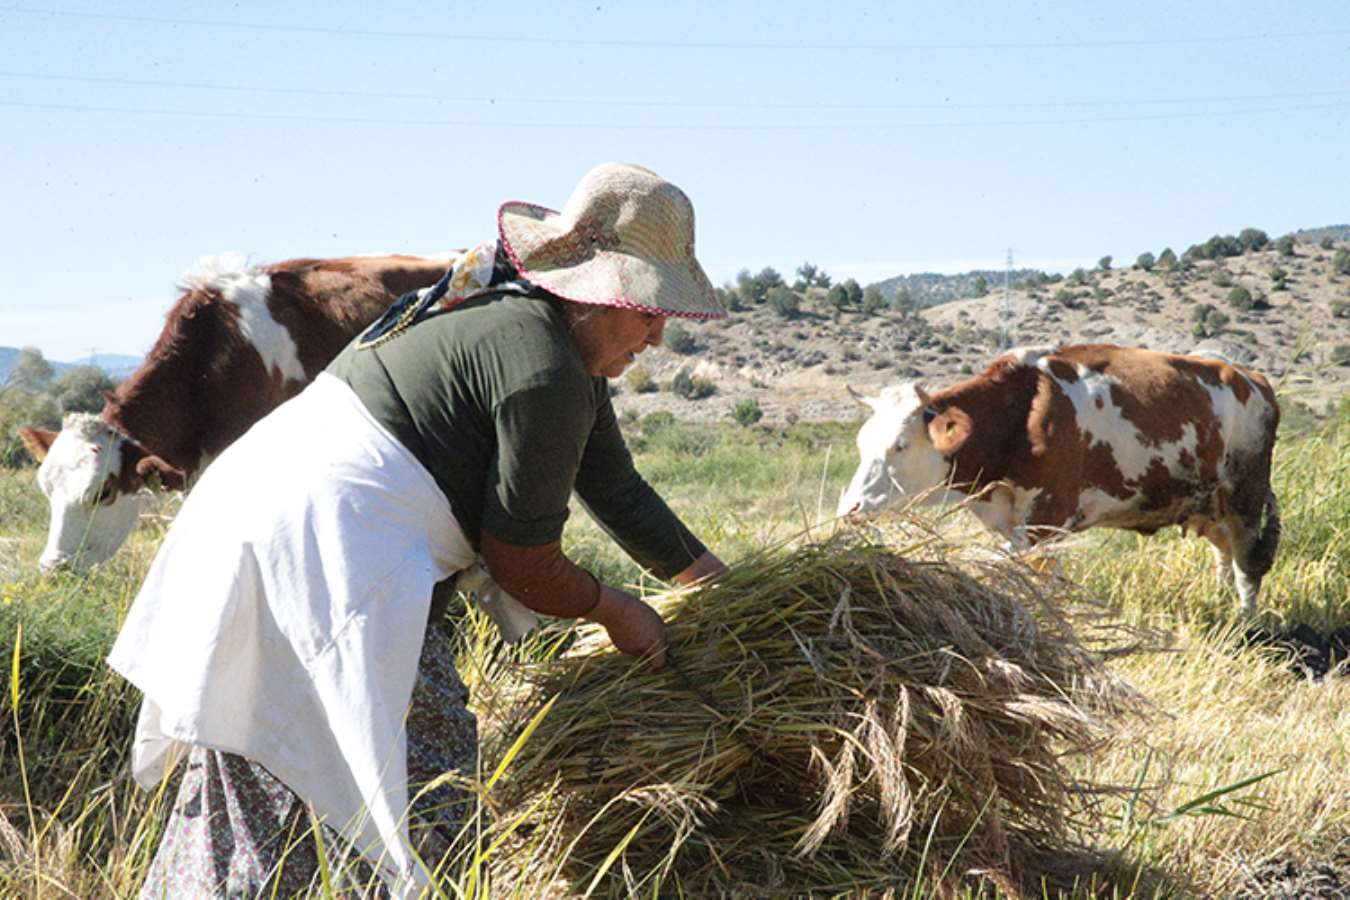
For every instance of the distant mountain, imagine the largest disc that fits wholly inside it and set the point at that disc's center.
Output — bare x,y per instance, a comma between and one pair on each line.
117,365
930,289
1335,232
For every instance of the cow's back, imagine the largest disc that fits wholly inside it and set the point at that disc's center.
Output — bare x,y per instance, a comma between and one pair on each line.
240,342
325,303
1161,437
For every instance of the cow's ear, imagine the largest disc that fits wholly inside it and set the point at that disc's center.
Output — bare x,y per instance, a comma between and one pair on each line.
37,441
158,475
949,430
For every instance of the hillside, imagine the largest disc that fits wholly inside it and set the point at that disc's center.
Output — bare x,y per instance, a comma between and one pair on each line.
931,289
798,368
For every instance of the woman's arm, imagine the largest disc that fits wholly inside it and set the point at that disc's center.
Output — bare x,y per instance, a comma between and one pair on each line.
546,581
705,566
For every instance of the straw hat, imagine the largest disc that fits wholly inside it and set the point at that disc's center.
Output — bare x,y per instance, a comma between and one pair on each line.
625,238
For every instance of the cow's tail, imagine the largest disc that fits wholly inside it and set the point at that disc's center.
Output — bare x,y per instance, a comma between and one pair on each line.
1262,555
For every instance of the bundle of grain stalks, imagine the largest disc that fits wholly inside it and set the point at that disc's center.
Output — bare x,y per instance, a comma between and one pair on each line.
837,717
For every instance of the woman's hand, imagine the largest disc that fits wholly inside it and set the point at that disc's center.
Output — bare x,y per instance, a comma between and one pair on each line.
633,626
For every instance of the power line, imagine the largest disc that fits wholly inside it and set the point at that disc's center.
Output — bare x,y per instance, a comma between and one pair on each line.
517,39
686,126
648,103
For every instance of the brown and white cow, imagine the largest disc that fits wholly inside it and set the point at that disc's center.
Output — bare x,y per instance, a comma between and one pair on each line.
1049,439
238,342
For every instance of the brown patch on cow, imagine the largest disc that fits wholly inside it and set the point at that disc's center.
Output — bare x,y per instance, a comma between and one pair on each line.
1160,490
1209,448
1100,471
203,384
330,301
1062,370
997,403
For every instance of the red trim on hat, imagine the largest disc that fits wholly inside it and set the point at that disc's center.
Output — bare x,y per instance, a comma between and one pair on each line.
620,302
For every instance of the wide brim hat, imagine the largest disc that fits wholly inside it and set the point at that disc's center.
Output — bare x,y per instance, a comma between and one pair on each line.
625,238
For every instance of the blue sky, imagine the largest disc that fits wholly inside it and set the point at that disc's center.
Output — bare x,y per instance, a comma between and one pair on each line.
870,139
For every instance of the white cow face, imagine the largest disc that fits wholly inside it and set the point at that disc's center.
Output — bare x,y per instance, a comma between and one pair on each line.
94,507
897,458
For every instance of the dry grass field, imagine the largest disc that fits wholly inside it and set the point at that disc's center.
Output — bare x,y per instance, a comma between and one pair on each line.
1230,776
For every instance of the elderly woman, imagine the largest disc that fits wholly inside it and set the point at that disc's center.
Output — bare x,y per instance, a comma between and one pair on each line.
281,637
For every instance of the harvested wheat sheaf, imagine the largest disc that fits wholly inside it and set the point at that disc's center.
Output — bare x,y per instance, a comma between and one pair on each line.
838,718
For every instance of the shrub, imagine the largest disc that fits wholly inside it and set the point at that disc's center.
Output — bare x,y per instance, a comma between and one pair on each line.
19,407
1066,298
1285,245
1145,261
1340,355
838,297
873,301
1326,243
1221,278
1167,258
640,381
1340,263
81,389
784,302
1240,298
1206,321
1340,309
730,298
1104,264
691,388
902,300
678,339
1253,239
747,412
755,288
657,422
855,292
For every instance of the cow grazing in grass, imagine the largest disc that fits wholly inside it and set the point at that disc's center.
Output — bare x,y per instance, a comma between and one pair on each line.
236,344
1048,440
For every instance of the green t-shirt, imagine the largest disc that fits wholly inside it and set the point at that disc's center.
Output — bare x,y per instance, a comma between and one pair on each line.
494,399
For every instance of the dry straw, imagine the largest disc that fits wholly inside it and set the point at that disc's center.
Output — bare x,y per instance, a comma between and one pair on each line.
839,718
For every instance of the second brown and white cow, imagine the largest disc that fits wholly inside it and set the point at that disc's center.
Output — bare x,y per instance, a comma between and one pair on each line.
1048,440
238,342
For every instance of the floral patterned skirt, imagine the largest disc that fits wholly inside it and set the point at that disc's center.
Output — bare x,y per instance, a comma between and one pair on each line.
236,831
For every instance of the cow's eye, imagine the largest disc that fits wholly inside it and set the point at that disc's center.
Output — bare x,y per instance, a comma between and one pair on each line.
900,446
106,494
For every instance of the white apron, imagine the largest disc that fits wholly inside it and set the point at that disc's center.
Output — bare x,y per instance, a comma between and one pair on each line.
283,616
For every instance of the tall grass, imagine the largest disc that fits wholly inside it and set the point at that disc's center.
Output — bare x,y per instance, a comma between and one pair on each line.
72,824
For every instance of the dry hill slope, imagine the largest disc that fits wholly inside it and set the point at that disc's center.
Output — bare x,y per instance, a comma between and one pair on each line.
798,368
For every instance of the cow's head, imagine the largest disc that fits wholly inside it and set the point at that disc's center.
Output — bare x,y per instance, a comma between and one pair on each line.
91,475
902,448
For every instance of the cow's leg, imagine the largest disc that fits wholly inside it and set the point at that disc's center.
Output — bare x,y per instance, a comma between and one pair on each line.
1219,533
1256,539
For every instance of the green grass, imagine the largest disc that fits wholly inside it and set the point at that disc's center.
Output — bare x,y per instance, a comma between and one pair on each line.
72,824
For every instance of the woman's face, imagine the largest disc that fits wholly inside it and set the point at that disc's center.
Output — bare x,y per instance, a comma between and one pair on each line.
613,338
